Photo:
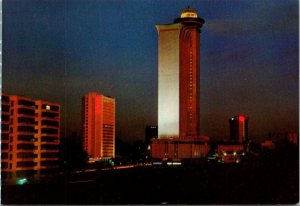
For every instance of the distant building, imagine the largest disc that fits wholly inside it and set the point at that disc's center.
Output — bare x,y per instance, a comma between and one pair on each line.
150,133
230,153
98,113
292,137
268,144
30,136
239,128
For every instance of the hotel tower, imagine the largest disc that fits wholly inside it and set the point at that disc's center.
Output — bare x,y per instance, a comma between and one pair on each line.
179,90
98,126
179,76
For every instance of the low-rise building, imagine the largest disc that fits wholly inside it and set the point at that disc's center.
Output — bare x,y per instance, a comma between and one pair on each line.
230,153
268,144
179,148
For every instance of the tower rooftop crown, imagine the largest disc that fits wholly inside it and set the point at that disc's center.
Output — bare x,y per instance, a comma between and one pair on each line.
189,13
190,16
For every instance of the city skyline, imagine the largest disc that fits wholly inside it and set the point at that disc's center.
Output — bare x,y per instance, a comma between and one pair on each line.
249,60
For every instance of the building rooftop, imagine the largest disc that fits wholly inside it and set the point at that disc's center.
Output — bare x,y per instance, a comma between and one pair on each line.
189,13
189,16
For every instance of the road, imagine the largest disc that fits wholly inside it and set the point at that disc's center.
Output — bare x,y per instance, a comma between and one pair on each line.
199,184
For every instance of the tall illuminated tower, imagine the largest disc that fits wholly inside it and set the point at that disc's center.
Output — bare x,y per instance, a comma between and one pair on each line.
179,76
98,125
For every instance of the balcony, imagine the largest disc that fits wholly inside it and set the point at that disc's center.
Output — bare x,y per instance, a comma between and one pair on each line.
49,139
26,111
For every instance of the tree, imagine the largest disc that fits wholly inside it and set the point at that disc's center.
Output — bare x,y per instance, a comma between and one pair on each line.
71,155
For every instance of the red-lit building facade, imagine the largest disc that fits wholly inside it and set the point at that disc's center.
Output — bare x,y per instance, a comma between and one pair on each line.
47,133
179,89
30,136
98,113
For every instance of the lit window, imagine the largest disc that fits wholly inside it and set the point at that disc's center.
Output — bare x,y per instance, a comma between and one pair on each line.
48,107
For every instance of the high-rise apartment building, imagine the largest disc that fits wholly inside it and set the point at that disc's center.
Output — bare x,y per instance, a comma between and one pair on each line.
47,132
239,128
179,76
30,136
98,115
5,119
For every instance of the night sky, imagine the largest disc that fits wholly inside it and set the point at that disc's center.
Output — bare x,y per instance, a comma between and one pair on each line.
60,50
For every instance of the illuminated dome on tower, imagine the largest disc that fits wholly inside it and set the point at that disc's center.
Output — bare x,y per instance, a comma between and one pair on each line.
190,16
189,13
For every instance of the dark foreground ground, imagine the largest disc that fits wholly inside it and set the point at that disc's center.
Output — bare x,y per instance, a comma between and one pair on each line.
267,181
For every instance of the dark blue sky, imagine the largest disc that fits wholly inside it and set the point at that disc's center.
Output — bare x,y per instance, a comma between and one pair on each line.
60,50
